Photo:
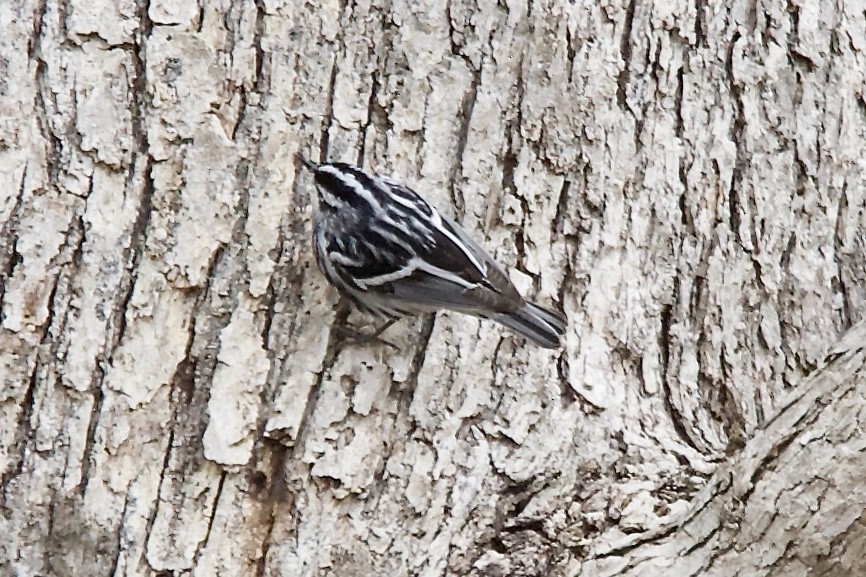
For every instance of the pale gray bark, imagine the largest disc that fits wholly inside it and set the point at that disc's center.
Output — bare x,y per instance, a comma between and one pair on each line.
686,181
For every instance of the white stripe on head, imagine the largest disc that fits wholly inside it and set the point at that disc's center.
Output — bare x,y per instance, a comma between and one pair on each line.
329,198
349,180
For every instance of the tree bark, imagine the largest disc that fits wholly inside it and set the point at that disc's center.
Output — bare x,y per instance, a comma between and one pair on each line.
685,181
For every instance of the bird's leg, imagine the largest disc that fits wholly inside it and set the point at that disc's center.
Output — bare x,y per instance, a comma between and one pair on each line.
362,338
384,327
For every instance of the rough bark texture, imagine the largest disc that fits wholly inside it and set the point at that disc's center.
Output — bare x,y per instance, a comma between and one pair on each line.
687,181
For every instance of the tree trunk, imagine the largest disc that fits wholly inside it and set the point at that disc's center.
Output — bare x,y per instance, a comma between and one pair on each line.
686,182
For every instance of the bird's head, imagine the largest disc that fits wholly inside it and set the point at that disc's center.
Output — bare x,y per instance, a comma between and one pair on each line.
340,186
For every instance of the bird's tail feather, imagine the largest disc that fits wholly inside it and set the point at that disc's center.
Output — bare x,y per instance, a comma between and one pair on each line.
541,326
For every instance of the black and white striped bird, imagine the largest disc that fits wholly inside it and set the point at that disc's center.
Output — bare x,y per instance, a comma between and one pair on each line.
392,254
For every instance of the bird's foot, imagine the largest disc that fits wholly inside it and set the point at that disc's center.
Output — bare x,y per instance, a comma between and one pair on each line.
363,338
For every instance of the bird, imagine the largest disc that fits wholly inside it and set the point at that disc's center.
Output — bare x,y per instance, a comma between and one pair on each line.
393,254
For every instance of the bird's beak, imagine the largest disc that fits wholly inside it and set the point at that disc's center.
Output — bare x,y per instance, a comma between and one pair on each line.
309,164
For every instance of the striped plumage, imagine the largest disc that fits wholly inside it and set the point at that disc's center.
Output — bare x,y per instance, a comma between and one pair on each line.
393,254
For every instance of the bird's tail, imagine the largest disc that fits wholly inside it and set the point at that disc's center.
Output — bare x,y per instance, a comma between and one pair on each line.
541,326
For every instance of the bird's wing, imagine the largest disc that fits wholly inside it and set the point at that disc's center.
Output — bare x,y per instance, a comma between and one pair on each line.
451,271
409,252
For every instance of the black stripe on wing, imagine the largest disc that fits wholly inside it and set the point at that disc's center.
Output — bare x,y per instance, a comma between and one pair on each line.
408,197
449,256
376,254
503,297
446,278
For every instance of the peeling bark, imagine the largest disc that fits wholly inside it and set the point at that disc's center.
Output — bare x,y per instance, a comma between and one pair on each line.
686,181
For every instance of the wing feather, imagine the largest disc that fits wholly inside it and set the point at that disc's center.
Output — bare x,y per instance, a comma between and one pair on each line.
420,259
